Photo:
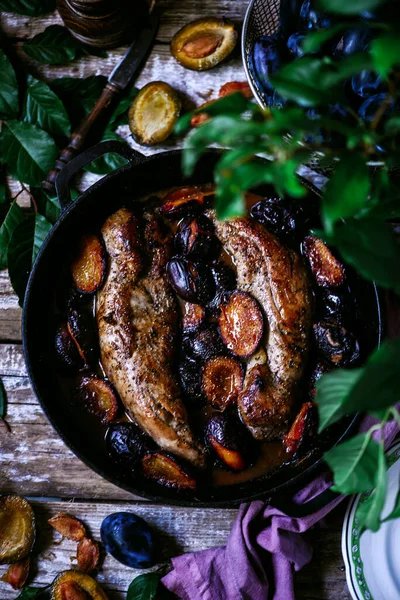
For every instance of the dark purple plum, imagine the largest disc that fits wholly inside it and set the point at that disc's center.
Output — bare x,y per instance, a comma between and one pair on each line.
294,44
126,443
367,83
352,41
335,344
224,277
312,19
129,539
192,281
204,343
196,239
190,377
277,214
66,350
369,107
266,61
229,441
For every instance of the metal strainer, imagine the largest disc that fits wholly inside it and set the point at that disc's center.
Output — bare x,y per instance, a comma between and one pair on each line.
262,18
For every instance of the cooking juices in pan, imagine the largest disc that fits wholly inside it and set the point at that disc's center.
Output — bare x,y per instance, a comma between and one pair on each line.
220,329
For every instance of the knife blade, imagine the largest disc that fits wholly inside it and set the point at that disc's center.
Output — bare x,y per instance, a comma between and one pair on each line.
135,56
128,68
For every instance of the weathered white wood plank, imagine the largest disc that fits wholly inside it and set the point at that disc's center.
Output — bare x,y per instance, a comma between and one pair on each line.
177,530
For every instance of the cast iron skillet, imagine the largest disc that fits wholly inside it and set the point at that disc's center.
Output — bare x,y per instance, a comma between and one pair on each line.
140,177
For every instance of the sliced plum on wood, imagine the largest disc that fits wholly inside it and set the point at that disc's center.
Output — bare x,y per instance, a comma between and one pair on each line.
303,430
17,574
166,470
98,397
229,441
68,526
88,555
222,381
196,239
17,527
327,270
193,316
241,324
73,585
203,43
66,349
83,331
192,281
335,343
186,201
127,443
153,113
89,265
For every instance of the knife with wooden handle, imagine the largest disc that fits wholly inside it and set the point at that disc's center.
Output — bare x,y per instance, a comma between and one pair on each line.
122,75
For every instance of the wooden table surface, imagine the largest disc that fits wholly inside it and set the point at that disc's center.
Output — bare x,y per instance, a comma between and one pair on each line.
34,461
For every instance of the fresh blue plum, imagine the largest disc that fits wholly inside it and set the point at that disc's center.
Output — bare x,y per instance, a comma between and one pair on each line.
367,83
294,44
129,539
369,107
289,13
353,40
311,19
265,61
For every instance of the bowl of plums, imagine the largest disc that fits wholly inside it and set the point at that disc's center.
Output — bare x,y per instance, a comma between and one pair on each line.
273,33
176,353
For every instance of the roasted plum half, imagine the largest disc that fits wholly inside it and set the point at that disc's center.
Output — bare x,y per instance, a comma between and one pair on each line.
222,381
204,43
153,113
88,268
66,350
98,397
129,539
190,379
279,215
192,281
167,470
17,527
196,239
204,343
193,315
326,269
229,441
303,430
83,330
335,344
225,283
127,443
73,585
187,201
241,324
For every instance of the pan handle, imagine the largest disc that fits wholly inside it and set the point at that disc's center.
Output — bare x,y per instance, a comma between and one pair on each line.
292,509
86,157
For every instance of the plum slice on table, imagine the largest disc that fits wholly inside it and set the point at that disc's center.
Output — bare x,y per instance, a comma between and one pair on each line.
327,270
17,528
222,381
98,397
303,429
185,201
73,585
17,574
241,324
203,43
166,470
68,526
88,268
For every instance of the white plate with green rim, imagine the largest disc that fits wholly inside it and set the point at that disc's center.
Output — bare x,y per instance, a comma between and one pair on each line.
372,560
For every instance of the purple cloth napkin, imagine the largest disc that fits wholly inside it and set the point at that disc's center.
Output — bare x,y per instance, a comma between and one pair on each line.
262,549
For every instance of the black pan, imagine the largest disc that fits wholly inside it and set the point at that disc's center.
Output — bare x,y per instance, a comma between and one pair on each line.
140,177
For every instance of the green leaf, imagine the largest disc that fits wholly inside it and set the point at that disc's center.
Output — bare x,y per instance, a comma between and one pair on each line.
144,587
385,51
55,45
369,512
345,7
347,191
392,126
28,151
32,8
47,205
354,464
13,218
119,116
371,388
108,162
370,247
78,95
42,229
43,108
20,251
9,103
30,593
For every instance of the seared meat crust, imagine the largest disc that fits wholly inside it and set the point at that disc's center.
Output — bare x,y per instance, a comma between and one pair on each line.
275,276
137,319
